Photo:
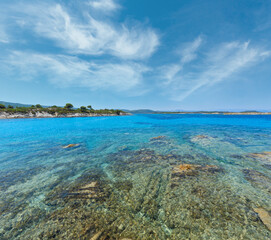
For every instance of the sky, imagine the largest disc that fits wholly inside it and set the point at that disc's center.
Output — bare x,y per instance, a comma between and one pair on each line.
137,54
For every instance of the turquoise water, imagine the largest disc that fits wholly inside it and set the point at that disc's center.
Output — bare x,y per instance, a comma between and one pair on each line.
123,181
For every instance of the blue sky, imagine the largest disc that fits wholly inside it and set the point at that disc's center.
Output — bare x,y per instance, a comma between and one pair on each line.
163,55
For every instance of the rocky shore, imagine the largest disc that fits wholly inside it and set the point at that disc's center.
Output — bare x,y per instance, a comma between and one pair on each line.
40,114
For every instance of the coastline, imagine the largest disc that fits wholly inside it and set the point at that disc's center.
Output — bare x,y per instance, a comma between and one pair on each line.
220,113
250,113
18,115
6,115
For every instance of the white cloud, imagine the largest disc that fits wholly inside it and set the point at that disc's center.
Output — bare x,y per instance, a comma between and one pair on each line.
67,71
187,54
113,50
90,35
169,72
104,5
220,64
3,35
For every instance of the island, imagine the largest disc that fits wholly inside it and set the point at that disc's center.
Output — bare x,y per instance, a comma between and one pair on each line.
38,111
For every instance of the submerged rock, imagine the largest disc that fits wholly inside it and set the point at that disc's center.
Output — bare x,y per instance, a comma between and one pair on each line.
160,141
97,235
185,167
200,136
264,216
157,138
71,145
263,157
258,179
92,190
185,170
236,156
132,159
123,185
123,148
90,185
201,139
268,166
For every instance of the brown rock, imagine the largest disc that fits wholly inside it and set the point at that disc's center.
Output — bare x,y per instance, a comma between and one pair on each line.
157,138
90,185
201,136
92,190
193,170
185,167
97,235
264,216
264,156
71,145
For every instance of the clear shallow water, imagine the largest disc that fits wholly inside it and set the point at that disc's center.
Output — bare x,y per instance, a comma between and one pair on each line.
120,183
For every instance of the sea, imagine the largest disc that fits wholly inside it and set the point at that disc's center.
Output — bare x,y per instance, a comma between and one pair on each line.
153,176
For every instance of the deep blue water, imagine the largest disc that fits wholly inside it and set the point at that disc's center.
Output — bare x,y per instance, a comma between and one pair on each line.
121,181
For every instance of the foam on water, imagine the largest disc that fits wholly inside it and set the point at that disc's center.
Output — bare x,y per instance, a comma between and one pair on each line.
124,179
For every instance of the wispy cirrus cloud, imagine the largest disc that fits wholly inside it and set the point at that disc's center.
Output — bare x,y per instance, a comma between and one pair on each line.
66,71
187,54
219,64
88,46
104,5
86,34
85,49
3,35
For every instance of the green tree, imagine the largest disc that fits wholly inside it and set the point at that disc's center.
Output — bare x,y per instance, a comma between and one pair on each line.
118,112
68,106
83,109
10,107
2,106
90,107
38,106
54,106
33,106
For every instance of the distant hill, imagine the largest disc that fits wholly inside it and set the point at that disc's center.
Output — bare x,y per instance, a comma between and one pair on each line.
15,104
149,111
